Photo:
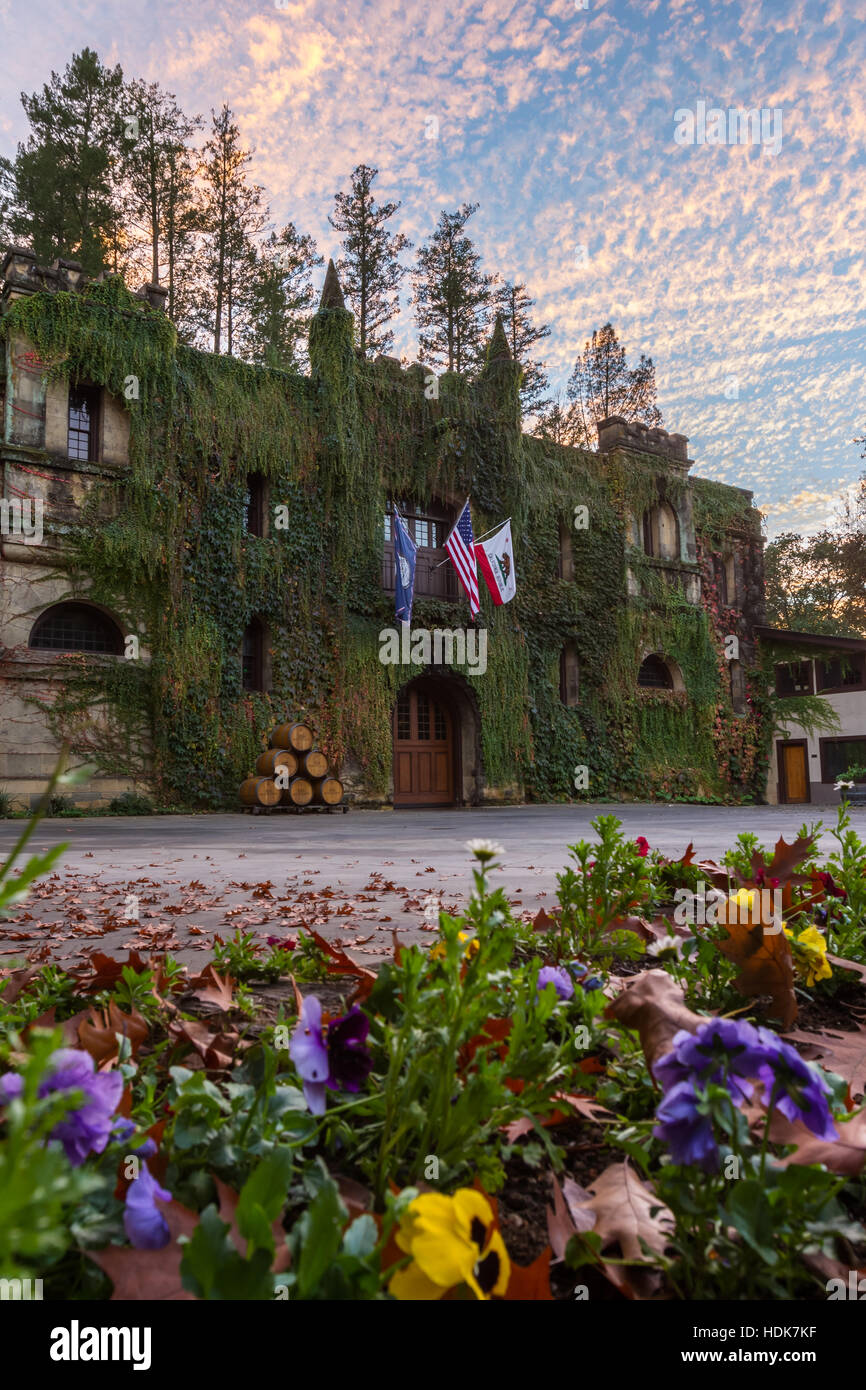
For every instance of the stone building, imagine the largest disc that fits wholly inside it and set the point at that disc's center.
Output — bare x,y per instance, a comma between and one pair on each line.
195,549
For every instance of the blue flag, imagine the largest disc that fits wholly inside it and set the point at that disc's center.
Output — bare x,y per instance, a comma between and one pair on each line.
405,551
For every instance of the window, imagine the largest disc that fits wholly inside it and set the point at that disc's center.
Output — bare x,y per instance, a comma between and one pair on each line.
566,554
661,532
728,583
840,674
838,754
254,505
83,432
429,527
76,627
794,678
253,656
654,674
569,676
738,688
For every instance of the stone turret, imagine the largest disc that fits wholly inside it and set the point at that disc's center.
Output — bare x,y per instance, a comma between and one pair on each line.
21,274
618,433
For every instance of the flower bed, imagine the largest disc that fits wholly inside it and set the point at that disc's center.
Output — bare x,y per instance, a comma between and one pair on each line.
653,1091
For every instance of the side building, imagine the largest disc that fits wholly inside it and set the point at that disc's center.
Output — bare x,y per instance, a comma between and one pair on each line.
195,549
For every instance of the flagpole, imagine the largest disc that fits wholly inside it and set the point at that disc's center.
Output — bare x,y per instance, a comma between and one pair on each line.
478,539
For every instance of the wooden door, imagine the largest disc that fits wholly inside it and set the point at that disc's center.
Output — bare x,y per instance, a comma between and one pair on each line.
794,772
423,751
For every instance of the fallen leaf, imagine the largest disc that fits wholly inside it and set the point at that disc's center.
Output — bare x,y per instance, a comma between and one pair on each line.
765,965
654,1004
837,1050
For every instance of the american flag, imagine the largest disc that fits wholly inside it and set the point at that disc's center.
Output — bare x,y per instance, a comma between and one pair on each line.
460,547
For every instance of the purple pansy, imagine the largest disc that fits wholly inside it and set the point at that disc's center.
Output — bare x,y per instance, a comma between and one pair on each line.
734,1053
799,1090
582,976
310,1055
557,976
687,1133
11,1087
349,1061
88,1129
143,1222
333,1058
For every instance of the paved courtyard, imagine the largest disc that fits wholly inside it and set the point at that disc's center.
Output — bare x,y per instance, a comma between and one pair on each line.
172,882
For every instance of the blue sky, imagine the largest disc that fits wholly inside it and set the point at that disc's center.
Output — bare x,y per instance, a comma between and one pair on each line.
740,269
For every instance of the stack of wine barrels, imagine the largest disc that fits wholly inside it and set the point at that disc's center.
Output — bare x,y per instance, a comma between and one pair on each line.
291,773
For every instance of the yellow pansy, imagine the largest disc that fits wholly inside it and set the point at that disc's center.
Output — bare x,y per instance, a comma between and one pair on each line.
809,950
452,1241
438,951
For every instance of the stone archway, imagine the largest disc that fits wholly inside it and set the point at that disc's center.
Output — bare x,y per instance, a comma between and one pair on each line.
436,742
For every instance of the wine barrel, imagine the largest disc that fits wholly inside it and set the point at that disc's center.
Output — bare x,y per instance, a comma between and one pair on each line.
259,791
267,764
314,763
297,736
327,791
299,792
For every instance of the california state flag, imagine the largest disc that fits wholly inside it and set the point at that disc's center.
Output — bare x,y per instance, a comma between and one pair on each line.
496,562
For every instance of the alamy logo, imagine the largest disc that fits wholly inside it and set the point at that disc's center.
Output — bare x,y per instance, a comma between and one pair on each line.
20,1290
22,517
756,126
441,647
76,1343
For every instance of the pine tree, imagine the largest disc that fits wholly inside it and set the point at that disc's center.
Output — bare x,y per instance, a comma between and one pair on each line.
281,300
159,183
369,270
514,306
602,384
451,295
555,422
233,216
66,176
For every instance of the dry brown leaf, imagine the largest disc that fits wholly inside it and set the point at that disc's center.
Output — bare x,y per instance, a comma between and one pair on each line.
98,1032
838,1051
785,860
654,1004
765,965
149,1274
845,1155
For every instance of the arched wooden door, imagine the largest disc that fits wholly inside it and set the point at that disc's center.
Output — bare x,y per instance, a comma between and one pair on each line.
423,749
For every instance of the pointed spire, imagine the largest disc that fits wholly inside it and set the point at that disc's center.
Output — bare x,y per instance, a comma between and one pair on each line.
498,350
332,294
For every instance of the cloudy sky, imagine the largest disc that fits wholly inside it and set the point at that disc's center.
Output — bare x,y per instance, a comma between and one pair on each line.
738,267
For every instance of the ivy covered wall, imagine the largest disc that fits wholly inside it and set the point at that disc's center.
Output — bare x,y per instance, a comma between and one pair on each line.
176,567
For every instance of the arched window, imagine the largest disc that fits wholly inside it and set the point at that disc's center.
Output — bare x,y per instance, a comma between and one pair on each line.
76,627
655,674
661,532
569,675
253,656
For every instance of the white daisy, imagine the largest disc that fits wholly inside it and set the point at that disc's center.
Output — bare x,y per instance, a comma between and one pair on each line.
484,849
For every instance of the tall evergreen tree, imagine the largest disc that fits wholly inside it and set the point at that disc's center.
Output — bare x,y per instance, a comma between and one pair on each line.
281,300
159,179
233,215
513,304
66,175
451,295
602,384
369,270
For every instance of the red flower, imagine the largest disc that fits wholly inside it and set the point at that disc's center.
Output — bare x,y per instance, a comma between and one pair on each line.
642,845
